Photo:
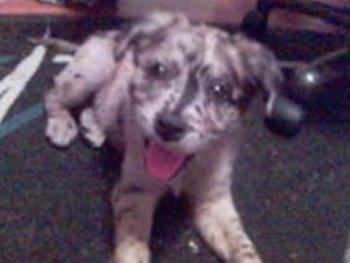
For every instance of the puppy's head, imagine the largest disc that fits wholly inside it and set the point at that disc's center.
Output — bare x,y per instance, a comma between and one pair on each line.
193,83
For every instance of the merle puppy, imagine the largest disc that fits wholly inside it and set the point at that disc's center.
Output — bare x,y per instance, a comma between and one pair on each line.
171,95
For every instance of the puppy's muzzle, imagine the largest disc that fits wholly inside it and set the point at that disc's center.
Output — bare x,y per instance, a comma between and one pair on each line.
170,126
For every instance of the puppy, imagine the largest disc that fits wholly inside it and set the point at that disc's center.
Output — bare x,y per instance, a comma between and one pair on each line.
171,95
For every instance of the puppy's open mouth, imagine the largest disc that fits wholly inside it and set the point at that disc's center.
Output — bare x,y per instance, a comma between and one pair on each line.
161,163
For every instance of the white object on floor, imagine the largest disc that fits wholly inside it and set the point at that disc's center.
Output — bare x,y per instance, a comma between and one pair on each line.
194,247
14,83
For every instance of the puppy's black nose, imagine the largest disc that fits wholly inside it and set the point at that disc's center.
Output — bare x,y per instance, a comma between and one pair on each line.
170,127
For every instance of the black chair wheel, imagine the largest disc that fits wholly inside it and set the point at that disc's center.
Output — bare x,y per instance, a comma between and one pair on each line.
285,117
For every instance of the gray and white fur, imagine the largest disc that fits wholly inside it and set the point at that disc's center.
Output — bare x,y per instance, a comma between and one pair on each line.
179,87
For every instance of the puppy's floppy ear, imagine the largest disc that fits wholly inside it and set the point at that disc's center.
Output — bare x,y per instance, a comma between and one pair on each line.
146,27
260,66
282,115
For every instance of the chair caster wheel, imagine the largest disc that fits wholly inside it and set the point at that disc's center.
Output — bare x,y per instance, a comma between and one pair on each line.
285,117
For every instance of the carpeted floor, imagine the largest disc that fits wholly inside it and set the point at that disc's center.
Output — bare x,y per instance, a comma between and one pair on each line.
293,195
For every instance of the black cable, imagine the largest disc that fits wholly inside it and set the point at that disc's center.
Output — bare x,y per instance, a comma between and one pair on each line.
339,16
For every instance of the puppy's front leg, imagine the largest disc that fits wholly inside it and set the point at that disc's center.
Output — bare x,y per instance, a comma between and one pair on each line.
220,226
71,88
133,209
61,128
78,81
217,218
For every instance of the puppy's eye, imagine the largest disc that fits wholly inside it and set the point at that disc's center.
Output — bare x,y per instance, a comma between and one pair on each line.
221,92
158,70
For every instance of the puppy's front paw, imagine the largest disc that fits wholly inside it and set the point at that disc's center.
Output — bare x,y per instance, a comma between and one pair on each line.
220,225
91,130
132,252
61,131
245,258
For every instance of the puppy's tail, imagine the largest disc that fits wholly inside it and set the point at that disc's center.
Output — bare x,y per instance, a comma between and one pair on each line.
55,43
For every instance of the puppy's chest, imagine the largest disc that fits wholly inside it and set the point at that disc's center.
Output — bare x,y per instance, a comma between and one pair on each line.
176,183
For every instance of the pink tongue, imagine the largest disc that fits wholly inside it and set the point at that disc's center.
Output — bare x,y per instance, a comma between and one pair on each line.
161,163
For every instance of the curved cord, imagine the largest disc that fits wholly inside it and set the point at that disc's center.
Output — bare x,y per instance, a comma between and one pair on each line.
338,16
